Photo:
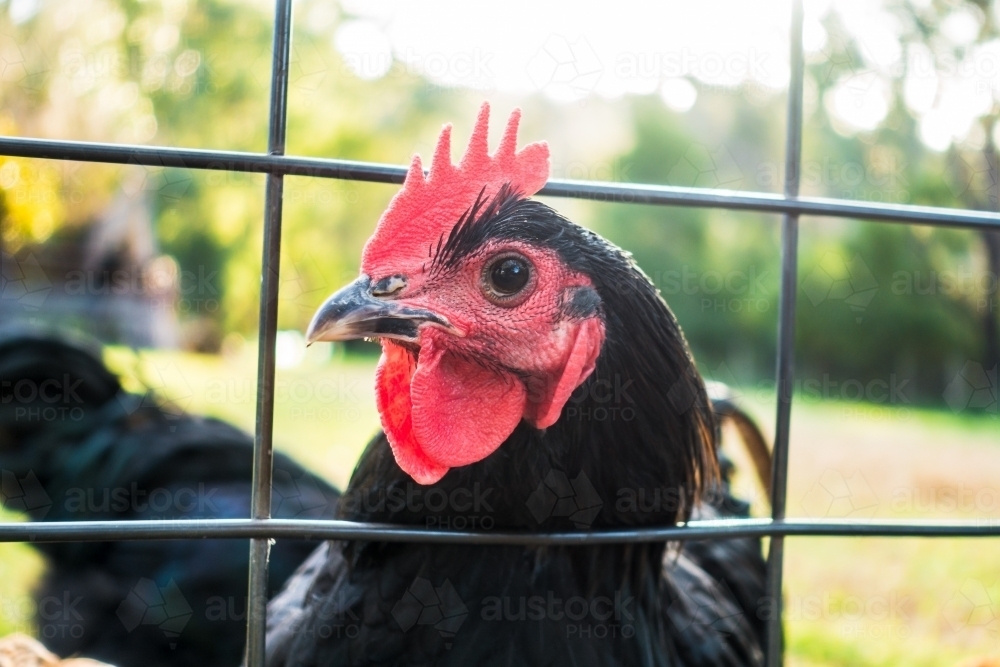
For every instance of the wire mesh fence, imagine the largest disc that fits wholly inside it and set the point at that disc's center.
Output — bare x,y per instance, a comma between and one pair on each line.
260,528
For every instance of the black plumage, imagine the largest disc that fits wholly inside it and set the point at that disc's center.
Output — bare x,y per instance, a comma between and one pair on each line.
644,457
75,446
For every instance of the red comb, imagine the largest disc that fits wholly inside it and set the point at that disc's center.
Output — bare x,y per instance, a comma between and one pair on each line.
427,208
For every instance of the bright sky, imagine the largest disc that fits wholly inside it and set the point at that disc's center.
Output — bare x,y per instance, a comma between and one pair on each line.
571,49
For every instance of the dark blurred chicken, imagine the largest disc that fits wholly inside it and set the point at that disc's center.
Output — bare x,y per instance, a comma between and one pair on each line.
75,446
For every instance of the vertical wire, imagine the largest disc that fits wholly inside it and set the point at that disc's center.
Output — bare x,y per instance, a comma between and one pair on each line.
268,326
786,342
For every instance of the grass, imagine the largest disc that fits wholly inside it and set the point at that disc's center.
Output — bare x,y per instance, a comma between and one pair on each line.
849,601
889,601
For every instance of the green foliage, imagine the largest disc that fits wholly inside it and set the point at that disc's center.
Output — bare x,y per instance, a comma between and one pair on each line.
876,301
717,271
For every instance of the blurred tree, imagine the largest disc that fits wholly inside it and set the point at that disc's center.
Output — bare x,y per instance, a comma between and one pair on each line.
717,270
196,73
913,87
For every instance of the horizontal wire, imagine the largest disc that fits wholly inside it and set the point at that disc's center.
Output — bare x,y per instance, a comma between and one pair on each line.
664,195
106,531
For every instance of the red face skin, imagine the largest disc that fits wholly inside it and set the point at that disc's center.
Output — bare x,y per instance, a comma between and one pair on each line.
479,365
456,401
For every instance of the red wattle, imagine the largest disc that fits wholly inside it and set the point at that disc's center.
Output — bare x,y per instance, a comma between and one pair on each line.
462,411
392,397
443,411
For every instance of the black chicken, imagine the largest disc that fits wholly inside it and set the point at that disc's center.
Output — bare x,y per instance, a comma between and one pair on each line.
75,446
532,378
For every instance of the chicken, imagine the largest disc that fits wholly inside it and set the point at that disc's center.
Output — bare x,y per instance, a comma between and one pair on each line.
75,446
531,378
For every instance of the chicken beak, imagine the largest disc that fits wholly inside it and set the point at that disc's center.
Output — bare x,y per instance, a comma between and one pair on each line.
353,312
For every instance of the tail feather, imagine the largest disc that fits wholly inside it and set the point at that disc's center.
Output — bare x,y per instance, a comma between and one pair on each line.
726,410
751,436
736,566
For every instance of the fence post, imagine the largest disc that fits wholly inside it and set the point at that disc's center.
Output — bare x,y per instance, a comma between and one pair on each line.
263,454
786,341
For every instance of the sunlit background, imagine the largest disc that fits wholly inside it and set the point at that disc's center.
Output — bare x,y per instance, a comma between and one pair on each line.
897,343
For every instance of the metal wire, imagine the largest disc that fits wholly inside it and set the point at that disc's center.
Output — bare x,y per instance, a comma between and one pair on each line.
719,529
263,454
260,528
628,193
785,364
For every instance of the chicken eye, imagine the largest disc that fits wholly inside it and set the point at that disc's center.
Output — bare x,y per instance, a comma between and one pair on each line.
506,278
509,276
